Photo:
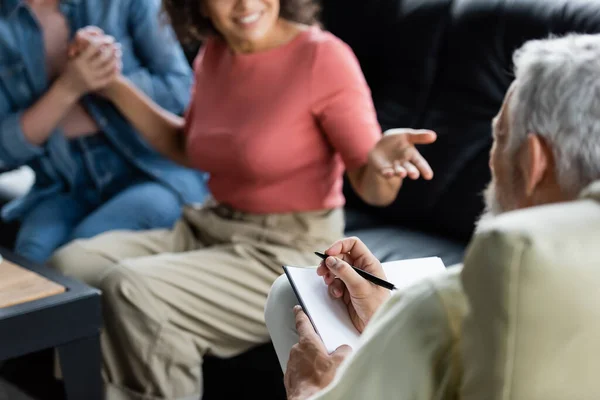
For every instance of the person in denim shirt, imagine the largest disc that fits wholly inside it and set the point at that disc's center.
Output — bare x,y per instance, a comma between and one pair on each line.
94,173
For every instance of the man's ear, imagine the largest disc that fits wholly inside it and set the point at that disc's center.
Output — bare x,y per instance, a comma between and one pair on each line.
535,160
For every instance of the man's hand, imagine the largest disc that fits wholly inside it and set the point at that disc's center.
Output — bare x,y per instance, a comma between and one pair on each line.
362,298
395,154
310,369
94,62
82,38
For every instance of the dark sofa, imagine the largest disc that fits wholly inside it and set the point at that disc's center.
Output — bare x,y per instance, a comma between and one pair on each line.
443,65
437,64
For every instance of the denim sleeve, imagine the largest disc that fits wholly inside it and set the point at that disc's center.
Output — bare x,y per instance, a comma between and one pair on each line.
15,150
165,74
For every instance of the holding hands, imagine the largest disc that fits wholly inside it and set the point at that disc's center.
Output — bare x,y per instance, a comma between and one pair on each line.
94,62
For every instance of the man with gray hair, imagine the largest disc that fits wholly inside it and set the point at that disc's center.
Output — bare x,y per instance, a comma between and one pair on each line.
546,152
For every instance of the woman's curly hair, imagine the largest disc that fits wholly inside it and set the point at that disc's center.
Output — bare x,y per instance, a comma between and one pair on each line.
191,26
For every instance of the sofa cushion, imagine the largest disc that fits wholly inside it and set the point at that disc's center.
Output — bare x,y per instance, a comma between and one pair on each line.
388,242
532,281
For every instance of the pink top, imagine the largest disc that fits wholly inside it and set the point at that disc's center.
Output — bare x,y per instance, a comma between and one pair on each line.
274,129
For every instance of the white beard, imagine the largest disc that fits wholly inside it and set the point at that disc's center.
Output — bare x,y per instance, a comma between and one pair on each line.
493,206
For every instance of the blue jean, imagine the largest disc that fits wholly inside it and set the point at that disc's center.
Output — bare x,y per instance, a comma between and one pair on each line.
109,194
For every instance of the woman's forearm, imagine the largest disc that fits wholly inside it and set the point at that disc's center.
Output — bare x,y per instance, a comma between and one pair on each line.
393,159
161,128
374,188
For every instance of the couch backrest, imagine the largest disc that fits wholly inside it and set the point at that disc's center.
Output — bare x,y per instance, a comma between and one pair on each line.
532,281
445,65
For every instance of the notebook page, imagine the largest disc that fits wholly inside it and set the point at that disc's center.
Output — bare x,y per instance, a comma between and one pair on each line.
330,317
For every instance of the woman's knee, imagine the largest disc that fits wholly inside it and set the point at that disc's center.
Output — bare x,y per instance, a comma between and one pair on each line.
79,261
118,290
129,304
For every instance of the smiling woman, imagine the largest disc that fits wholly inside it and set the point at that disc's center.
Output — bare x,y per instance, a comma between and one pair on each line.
191,21
280,110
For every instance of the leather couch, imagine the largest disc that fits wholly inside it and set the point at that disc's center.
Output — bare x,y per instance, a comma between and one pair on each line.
438,64
443,65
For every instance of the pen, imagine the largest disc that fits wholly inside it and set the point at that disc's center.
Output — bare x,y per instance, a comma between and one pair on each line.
370,277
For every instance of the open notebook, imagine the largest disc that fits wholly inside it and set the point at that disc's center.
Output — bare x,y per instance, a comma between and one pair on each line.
329,316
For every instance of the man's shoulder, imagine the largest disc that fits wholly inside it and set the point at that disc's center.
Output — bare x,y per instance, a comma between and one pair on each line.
442,292
550,221
109,4
110,11
554,235
435,304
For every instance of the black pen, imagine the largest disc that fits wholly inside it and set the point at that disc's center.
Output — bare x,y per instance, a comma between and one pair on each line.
370,277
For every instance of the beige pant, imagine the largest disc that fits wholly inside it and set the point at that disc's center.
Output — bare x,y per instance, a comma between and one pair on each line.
172,296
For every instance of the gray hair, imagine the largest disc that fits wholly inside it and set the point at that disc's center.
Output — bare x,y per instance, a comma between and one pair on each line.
557,96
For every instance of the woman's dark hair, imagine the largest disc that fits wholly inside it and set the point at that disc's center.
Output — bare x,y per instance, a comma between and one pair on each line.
191,26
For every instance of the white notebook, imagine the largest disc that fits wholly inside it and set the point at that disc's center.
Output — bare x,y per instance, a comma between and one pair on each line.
329,316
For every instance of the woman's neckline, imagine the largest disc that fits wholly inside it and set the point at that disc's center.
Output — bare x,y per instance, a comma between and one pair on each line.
272,51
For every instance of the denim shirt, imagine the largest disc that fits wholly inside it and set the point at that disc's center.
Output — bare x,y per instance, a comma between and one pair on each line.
152,60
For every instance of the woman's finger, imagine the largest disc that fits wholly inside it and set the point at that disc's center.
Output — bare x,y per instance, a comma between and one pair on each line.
388,172
91,29
89,53
105,57
400,170
422,165
98,44
411,171
107,69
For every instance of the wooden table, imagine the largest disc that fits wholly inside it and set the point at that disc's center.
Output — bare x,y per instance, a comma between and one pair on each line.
20,285
41,309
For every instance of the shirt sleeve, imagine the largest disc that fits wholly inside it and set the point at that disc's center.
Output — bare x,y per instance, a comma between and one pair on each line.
164,73
407,352
341,101
15,149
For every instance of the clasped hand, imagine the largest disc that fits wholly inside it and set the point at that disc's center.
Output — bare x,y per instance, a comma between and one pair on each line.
94,62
